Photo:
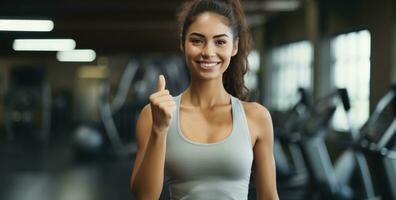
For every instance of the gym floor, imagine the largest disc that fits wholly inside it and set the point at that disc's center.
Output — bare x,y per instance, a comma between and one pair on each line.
32,171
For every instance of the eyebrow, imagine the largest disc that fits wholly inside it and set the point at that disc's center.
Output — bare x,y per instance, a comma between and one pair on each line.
216,36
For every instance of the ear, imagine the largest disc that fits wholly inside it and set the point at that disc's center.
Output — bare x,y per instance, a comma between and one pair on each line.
235,47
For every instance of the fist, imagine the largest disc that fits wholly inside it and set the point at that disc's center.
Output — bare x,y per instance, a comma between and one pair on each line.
162,107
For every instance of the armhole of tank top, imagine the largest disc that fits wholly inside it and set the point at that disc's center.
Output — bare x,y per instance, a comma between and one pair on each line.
248,134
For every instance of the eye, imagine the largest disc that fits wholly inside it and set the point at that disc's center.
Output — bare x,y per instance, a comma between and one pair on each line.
196,41
221,42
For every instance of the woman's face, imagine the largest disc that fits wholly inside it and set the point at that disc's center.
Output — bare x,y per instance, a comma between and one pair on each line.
209,46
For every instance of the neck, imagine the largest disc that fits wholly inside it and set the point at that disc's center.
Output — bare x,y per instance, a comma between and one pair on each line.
206,94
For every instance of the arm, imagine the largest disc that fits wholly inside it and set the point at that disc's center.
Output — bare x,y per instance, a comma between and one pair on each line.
151,130
147,174
264,163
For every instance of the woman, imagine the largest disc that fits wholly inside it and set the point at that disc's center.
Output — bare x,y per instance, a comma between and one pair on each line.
204,142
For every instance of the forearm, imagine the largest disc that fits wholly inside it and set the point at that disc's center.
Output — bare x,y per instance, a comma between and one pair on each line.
150,176
268,197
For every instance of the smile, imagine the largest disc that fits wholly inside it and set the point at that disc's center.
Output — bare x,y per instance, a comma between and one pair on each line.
208,65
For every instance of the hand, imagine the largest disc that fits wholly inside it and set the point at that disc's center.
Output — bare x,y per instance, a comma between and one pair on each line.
162,107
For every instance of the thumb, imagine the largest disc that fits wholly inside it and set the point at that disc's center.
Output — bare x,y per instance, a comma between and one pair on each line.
161,83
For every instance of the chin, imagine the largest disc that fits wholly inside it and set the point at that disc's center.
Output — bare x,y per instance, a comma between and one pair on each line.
209,76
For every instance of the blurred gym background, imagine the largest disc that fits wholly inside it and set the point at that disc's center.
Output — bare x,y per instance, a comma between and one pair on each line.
75,74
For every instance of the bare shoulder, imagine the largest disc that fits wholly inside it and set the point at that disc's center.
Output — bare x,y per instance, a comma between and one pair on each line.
254,108
145,114
259,119
146,111
143,123
256,112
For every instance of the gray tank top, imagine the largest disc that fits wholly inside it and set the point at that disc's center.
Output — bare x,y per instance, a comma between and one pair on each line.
205,171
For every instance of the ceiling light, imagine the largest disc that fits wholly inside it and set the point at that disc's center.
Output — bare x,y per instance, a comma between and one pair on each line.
26,25
77,55
43,44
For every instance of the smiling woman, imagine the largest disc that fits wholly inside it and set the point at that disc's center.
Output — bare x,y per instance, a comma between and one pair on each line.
208,51
233,18
206,140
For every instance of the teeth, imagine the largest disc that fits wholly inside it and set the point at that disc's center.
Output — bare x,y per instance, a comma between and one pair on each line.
208,65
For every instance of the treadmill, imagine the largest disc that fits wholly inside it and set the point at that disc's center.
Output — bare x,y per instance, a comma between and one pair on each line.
379,145
328,181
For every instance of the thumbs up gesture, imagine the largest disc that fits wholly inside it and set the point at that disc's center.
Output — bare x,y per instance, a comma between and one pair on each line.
162,107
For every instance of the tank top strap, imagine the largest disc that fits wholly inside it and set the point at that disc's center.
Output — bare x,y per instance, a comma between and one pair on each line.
241,122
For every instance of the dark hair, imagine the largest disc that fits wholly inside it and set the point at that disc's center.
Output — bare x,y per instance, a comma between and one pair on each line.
233,78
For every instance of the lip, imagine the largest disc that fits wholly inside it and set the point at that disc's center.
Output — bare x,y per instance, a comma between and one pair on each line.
207,64
207,61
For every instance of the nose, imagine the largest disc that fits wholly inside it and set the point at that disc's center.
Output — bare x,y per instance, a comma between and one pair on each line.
208,50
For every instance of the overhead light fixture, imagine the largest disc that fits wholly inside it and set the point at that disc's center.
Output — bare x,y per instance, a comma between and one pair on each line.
77,55
44,44
281,5
26,25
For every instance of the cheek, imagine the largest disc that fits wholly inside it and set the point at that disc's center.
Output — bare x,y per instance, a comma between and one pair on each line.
191,52
189,57
226,53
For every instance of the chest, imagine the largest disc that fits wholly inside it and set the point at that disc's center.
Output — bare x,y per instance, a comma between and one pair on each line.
216,148
206,126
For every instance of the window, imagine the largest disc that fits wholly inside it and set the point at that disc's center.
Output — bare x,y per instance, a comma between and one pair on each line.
351,65
291,66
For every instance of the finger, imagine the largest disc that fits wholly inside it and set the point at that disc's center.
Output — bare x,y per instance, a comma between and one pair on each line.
169,109
160,93
161,99
161,83
168,103
152,97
